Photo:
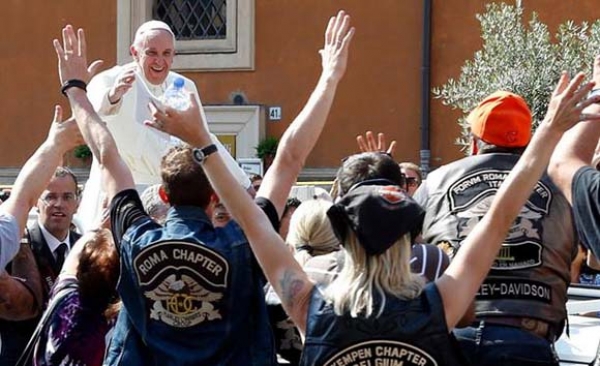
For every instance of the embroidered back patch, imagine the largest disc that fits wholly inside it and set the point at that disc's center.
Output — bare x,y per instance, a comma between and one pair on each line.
183,282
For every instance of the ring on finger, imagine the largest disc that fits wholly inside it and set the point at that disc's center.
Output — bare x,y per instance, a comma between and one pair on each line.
583,117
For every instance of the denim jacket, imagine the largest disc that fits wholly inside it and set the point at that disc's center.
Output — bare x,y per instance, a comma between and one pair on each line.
192,295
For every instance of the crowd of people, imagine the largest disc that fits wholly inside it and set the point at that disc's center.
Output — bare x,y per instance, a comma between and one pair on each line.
206,266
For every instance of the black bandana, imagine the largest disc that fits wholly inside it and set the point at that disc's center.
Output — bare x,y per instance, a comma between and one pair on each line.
378,212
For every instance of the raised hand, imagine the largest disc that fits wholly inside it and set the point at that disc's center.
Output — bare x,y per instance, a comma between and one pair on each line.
334,55
64,134
368,143
122,84
568,101
72,59
186,125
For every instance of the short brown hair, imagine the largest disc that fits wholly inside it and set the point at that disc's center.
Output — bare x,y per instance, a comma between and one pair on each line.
63,171
98,271
183,179
366,166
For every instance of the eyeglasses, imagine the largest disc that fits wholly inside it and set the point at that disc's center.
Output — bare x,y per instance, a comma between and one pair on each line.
52,198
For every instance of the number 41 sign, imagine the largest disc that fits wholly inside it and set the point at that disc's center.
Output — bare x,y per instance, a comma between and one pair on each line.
274,113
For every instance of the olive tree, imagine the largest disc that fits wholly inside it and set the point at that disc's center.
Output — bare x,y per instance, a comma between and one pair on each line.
521,57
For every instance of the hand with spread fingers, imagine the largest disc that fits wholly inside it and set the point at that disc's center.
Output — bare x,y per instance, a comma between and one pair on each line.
122,84
65,134
368,143
568,102
186,125
72,59
334,55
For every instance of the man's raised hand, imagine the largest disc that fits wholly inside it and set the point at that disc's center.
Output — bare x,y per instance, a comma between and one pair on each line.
334,55
186,125
368,143
122,84
64,134
72,59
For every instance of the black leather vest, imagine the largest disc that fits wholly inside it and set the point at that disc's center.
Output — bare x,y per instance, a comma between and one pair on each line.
530,275
408,333
14,335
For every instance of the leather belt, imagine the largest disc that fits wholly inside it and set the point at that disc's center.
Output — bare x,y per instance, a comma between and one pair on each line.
537,327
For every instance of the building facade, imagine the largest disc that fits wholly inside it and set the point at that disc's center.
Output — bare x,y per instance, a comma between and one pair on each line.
268,57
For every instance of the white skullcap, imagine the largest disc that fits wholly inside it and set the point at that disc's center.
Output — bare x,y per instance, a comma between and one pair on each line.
152,25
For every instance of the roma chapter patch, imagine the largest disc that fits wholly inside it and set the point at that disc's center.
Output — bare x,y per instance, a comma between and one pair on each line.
183,282
381,353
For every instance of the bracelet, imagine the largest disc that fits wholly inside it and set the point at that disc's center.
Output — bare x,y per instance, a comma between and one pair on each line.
73,83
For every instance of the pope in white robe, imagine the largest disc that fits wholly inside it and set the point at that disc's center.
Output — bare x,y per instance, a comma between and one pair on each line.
121,96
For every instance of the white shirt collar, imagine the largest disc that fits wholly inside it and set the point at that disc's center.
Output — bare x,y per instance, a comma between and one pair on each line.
51,240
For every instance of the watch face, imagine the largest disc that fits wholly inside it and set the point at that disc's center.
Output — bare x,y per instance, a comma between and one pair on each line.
198,155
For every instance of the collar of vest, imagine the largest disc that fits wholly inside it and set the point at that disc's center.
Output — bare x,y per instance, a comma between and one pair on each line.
187,213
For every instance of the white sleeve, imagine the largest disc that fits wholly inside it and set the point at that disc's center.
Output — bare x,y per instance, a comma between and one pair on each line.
9,238
98,89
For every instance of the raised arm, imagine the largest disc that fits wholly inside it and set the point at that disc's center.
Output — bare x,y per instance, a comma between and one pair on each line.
34,177
576,147
302,134
73,66
281,269
465,274
106,91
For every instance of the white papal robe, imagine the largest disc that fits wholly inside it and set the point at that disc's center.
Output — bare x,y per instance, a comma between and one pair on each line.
140,146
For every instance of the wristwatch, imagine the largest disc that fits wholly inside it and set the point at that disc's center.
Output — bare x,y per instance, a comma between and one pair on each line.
199,155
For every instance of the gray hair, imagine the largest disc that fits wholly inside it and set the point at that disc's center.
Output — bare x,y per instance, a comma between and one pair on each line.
153,204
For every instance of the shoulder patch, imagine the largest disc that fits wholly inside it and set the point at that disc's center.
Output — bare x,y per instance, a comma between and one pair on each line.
183,282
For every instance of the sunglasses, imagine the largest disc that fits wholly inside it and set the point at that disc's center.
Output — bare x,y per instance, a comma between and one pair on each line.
412,182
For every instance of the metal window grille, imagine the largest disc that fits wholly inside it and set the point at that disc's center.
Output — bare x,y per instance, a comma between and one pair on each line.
193,19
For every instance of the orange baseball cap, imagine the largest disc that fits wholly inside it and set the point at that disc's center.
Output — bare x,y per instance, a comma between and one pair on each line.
502,119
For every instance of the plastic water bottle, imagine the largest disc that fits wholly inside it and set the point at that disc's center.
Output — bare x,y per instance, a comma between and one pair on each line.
175,97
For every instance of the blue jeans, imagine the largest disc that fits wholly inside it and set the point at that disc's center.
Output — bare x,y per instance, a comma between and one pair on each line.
498,345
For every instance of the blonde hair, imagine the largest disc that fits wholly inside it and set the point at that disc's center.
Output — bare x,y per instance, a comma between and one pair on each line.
310,231
364,277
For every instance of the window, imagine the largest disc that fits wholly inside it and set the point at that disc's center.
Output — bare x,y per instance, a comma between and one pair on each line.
211,34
